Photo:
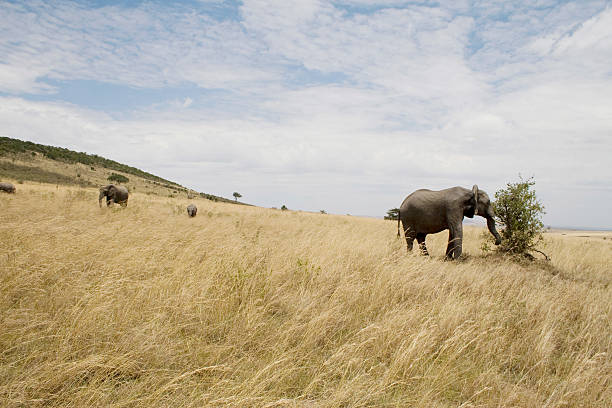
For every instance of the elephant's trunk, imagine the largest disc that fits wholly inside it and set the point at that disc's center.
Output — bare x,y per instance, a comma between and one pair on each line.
492,230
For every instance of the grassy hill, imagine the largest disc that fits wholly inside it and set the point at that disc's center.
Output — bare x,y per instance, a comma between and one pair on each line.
22,160
251,307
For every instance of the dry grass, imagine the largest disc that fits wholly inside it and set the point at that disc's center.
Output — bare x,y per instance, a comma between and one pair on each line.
245,306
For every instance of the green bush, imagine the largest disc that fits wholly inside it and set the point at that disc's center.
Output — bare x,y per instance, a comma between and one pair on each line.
519,212
119,178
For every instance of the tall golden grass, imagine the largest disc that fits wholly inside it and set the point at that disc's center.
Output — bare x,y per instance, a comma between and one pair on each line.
252,307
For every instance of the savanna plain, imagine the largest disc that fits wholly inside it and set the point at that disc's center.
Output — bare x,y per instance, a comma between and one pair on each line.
252,307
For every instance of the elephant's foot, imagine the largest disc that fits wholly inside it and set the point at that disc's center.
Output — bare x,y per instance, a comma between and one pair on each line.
452,256
409,244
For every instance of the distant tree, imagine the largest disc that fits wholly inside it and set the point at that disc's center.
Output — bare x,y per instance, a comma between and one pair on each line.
119,178
519,212
323,212
284,207
237,195
392,214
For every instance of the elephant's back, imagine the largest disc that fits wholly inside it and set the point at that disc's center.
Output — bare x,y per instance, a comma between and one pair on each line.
7,186
424,211
420,198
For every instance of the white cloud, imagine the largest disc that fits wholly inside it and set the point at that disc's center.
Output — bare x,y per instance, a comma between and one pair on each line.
424,96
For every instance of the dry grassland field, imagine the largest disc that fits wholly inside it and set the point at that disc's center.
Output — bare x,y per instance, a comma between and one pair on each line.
252,307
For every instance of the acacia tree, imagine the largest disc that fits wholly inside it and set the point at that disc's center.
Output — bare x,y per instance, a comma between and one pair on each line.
519,212
237,195
392,214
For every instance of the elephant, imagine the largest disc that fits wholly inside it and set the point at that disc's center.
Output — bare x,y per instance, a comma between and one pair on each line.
7,187
192,210
113,194
428,212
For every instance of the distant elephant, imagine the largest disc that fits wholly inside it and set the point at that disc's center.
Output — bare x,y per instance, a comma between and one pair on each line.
113,194
7,187
192,210
428,212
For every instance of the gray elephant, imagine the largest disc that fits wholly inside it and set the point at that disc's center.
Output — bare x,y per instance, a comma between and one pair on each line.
192,210
428,212
7,187
113,194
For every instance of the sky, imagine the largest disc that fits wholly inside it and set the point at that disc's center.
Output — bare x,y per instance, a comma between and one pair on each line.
345,106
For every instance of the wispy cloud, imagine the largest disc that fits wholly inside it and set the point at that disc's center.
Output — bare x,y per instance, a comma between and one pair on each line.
146,46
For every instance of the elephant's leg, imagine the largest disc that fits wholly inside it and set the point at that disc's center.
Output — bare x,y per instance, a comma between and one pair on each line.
455,238
421,240
410,236
450,246
108,201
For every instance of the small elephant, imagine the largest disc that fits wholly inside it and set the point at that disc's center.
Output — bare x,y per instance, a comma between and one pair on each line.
428,212
113,194
7,187
192,210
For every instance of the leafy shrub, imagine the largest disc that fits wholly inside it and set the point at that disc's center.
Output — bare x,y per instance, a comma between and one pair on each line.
519,212
119,178
284,207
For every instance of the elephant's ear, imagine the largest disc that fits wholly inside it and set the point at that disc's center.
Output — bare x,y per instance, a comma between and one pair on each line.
475,192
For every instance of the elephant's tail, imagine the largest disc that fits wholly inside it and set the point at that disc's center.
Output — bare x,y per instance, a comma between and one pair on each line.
398,222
